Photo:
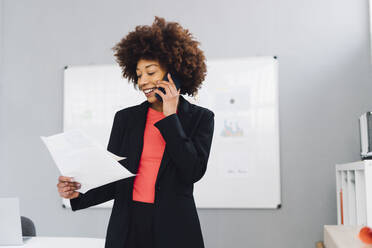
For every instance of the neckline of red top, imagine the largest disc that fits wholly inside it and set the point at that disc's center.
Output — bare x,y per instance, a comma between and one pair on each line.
155,112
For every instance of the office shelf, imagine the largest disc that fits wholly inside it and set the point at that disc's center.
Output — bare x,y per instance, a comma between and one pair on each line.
354,193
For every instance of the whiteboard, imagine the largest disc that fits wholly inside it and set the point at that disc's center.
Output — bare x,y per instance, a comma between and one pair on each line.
244,164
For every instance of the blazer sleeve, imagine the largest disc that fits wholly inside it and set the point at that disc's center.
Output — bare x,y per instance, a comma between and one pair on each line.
105,192
190,155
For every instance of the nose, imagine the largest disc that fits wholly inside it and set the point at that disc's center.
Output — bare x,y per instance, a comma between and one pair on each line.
142,82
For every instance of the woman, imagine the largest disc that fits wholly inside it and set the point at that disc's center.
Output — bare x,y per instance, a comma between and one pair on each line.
167,143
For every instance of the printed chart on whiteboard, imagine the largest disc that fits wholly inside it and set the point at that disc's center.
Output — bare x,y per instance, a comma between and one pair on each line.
243,170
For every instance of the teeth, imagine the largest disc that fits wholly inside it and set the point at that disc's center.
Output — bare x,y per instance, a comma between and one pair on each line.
148,90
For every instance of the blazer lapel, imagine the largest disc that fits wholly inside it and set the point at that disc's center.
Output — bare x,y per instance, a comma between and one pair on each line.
184,115
137,136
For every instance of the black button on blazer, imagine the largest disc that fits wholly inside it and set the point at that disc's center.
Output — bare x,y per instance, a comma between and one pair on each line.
188,136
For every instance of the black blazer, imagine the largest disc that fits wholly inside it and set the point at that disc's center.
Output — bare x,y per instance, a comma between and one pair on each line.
188,136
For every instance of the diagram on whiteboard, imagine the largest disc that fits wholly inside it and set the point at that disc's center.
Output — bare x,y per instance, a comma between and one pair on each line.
245,101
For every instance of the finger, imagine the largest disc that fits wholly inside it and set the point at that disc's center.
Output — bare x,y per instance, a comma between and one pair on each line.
167,86
62,184
172,84
68,189
160,93
73,184
65,179
62,190
74,187
65,189
59,185
173,89
171,80
70,192
64,195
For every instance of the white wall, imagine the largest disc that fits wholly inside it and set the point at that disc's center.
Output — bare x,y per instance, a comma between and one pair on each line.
325,84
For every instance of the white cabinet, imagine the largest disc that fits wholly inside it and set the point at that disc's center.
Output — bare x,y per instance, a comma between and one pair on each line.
354,193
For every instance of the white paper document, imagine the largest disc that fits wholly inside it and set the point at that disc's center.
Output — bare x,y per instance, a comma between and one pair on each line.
78,156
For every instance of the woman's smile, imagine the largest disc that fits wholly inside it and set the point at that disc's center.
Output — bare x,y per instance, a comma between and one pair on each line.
149,92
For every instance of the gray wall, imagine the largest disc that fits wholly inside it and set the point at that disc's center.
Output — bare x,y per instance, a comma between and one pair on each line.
325,84
1,84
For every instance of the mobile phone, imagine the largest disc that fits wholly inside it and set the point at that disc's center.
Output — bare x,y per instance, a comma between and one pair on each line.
176,81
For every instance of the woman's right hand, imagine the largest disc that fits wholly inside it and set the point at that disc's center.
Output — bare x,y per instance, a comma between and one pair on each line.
67,186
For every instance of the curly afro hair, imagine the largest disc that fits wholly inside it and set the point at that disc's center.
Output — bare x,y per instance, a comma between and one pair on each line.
168,43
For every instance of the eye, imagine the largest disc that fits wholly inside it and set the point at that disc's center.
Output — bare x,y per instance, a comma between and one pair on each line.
150,74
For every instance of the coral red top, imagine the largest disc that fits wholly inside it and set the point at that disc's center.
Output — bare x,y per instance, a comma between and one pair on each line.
152,153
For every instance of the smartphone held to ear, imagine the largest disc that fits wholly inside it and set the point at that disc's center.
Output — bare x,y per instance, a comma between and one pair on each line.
176,81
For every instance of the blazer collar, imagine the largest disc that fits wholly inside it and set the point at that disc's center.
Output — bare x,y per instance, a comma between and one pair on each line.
184,113
184,106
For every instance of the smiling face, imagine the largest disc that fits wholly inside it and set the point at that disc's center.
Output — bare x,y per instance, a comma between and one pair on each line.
148,72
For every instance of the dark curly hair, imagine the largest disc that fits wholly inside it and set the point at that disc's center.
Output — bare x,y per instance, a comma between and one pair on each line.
168,43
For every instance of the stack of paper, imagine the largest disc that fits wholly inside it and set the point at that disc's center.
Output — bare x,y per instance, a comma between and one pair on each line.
78,156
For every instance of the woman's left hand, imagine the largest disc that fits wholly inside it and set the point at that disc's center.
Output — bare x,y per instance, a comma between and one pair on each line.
171,96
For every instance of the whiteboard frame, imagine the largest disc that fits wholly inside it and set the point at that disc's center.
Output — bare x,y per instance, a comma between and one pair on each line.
274,205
